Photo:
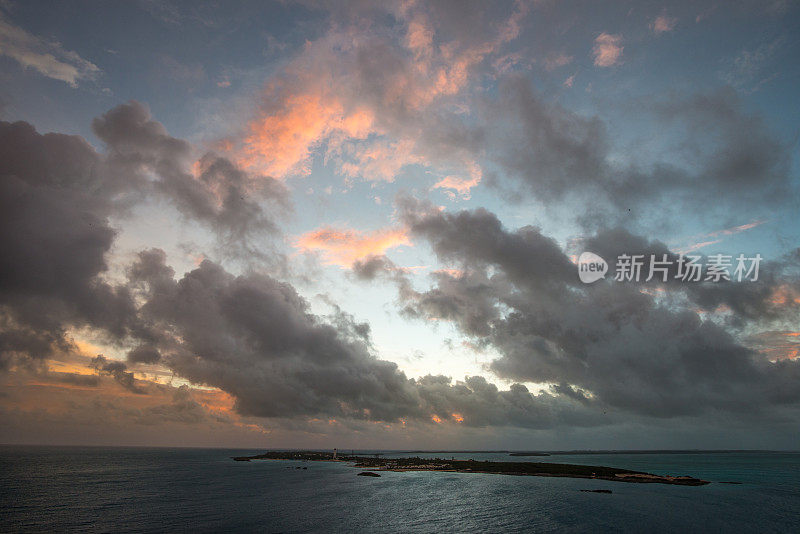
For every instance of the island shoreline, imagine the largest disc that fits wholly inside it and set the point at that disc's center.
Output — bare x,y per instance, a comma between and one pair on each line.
378,463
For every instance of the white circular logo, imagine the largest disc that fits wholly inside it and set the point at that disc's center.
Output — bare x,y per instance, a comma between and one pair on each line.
591,267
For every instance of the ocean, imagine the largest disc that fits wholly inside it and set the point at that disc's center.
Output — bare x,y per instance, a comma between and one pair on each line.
93,489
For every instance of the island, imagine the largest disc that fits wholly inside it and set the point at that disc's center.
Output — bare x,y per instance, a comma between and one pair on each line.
379,463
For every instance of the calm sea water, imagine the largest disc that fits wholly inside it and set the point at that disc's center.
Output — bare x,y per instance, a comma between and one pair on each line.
202,490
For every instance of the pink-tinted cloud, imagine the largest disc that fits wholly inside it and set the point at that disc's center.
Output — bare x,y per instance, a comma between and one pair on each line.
663,24
737,229
461,185
367,119
698,246
455,185
555,61
343,247
607,50
712,238
379,160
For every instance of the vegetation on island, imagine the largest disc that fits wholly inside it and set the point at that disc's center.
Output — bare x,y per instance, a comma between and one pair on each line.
380,463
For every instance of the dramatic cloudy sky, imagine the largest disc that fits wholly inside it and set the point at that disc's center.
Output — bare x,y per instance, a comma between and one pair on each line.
356,224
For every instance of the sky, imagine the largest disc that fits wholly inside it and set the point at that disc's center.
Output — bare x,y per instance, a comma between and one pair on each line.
360,224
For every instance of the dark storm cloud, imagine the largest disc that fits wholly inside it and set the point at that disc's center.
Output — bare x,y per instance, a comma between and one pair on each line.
775,297
253,337
752,301
479,403
54,233
183,409
614,342
139,147
469,300
720,152
735,150
552,150
144,354
471,238
22,344
381,267
118,370
373,266
56,197
76,379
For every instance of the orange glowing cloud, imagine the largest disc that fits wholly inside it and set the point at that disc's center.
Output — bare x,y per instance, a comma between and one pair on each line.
311,106
777,345
784,295
452,273
280,143
344,247
215,400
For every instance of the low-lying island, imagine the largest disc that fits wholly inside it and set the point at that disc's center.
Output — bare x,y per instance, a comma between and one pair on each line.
475,466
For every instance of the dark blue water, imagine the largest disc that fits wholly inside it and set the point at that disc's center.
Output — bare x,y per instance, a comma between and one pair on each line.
202,490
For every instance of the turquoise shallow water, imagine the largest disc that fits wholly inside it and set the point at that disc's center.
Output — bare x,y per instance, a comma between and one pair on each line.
202,490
